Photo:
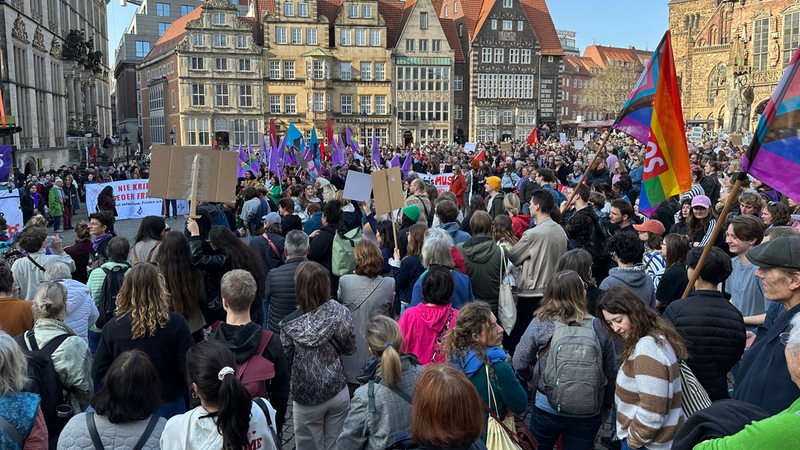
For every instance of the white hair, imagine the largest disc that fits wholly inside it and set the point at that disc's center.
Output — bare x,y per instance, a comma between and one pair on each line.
794,333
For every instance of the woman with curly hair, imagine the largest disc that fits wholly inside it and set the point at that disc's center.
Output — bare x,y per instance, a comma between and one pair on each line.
776,214
183,282
473,347
564,305
143,321
226,252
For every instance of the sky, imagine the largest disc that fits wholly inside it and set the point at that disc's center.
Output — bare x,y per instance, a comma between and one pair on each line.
617,23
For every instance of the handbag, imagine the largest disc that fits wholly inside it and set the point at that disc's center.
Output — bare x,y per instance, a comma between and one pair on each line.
510,433
506,307
694,396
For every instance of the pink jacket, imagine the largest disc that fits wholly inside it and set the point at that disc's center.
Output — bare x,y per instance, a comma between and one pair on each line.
421,325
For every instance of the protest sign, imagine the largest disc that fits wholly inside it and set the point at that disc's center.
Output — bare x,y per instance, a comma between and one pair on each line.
697,134
357,186
131,200
9,206
441,181
173,168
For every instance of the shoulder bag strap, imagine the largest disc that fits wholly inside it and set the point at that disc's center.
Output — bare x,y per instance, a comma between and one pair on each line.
35,263
98,444
150,253
403,394
512,435
12,432
135,257
276,439
147,432
365,294
271,244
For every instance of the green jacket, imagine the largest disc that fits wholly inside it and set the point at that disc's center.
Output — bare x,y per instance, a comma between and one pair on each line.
778,431
508,392
55,202
482,258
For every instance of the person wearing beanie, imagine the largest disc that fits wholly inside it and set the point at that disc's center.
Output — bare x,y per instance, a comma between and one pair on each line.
412,213
494,196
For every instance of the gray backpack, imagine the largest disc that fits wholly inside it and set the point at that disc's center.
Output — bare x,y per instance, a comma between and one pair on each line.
573,377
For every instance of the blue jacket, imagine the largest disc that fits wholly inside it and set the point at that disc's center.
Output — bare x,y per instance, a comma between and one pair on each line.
455,231
462,291
762,378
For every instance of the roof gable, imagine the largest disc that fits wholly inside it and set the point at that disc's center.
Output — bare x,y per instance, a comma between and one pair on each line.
392,12
542,24
174,34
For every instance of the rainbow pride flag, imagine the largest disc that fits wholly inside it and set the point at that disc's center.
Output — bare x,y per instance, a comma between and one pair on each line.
653,116
773,157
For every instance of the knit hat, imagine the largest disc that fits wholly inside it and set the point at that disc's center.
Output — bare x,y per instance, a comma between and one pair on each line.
412,212
494,182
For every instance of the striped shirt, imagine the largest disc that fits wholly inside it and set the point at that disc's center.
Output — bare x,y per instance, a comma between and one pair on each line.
654,265
648,396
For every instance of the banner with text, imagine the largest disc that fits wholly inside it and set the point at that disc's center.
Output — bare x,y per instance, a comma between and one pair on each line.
9,206
441,181
131,200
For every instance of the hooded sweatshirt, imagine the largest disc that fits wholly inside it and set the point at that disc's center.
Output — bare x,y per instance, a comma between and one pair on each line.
243,341
314,342
455,231
635,278
483,258
421,325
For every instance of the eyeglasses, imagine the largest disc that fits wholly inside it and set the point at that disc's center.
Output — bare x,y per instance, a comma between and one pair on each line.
772,203
784,337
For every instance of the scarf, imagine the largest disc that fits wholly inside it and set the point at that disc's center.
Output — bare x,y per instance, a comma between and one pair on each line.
470,363
96,242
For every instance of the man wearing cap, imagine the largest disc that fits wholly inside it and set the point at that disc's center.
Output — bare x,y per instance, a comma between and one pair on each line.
419,198
762,378
494,196
651,234
747,294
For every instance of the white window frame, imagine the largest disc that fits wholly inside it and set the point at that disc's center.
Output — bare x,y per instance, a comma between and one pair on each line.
246,96
297,36
221,97
290,104
380,71
274,69
274,104
198,94
346,71
288,70
346,105
346,37
365,71
280,35
218,18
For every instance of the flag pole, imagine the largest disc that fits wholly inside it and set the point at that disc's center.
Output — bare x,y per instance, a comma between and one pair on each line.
734,194
586,172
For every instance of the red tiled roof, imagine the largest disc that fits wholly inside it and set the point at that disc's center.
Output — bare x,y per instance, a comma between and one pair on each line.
449,29
437,6
329,9
392,13
582,62
486,8
174,34
471,11
601,55
542,23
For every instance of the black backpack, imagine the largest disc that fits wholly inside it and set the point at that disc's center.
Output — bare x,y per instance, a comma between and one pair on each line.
43,378
108,292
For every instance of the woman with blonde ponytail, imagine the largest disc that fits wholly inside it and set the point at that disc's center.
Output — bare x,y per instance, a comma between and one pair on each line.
380,411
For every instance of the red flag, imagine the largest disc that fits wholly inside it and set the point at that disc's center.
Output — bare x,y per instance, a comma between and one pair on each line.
321,150
533,137
480,156
329,132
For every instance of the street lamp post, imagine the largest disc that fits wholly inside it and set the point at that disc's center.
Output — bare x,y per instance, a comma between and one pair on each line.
363,128
172,135
125,139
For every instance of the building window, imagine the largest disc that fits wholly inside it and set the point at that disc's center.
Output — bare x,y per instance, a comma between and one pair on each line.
197,40
374,38
366,11
280,35
460,28
220,40
274,70
297,36
290,103
157,129
311,36
761,44
508,3
494,24
791,35
525,56
274,104
436,45
513,56
156,97
238,132
319,101
241,41
186,9
499,54
195,63
347,105
423,46
458,83
244,65
361,38
198,95
288,70
190,130
142,49
380,71
302,9
366,71
508,25
459,112
520,25
380,105
218,18
365,102
203,134
162,9
222,95
220,63
508,118
423,21
246,95
353,11
486,55
162,28
345,71
346,37
409,45
288,9
317,70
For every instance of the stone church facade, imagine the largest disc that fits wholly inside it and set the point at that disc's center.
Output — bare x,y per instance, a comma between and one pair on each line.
730,56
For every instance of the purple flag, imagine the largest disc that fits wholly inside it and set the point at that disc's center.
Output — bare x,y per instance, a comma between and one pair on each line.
376,152
244,162
348,140
5,162
395,162
406,165
255,163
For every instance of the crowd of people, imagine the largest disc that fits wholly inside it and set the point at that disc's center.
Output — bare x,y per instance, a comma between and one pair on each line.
430,328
